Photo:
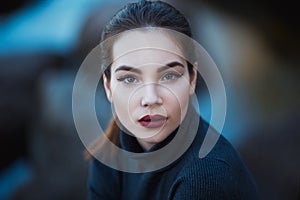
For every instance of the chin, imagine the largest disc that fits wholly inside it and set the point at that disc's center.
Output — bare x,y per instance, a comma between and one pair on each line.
156,138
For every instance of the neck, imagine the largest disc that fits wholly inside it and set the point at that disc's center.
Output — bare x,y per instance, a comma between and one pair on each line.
145,145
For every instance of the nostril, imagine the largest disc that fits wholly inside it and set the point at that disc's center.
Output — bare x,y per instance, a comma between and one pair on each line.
145,105
151,96
146,101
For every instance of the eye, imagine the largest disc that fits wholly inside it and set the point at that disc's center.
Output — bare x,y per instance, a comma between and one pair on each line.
128,79
171,76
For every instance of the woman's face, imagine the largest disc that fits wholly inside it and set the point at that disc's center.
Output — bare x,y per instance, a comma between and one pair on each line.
149,87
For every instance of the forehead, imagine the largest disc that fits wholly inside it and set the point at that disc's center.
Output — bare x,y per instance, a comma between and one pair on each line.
137,48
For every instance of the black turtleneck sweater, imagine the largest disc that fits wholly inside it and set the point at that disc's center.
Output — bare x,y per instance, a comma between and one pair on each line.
219,175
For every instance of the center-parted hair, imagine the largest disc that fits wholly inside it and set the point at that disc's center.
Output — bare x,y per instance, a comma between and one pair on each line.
141,15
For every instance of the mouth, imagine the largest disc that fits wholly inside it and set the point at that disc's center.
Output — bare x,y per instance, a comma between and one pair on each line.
152,121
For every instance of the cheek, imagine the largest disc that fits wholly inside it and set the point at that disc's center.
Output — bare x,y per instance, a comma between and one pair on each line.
178,99
119,93
125,101
180,91
119,100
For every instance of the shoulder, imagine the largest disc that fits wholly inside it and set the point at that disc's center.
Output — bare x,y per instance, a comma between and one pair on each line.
219,175
222,153
99,172
101,180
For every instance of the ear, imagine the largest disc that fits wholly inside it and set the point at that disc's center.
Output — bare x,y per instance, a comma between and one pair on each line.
193,79
107,88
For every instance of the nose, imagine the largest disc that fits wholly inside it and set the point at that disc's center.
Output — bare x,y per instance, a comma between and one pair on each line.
151,96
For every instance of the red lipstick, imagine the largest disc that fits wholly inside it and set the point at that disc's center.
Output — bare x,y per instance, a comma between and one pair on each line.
152,121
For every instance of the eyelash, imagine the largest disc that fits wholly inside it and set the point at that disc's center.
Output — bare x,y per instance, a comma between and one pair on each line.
174,75
125,79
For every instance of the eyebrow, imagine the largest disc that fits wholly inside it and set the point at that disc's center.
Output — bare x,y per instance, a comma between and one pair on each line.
128,68
170,65
135,70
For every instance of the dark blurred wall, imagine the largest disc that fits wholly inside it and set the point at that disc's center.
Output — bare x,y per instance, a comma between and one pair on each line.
267,78
11,6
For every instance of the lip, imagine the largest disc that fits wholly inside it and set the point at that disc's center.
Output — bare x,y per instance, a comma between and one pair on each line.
152,121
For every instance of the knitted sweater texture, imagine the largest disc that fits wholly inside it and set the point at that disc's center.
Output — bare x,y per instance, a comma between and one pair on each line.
220,175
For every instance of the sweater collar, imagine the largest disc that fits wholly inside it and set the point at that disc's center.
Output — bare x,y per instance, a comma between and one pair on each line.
130,143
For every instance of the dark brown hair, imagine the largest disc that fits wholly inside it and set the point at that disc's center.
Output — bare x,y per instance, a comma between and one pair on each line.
139,15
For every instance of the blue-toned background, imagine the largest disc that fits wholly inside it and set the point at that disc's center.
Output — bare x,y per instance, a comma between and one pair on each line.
43,42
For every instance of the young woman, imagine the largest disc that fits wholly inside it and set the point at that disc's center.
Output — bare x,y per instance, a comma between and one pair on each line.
150,84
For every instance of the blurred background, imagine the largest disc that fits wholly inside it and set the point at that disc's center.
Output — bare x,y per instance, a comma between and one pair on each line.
255,44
